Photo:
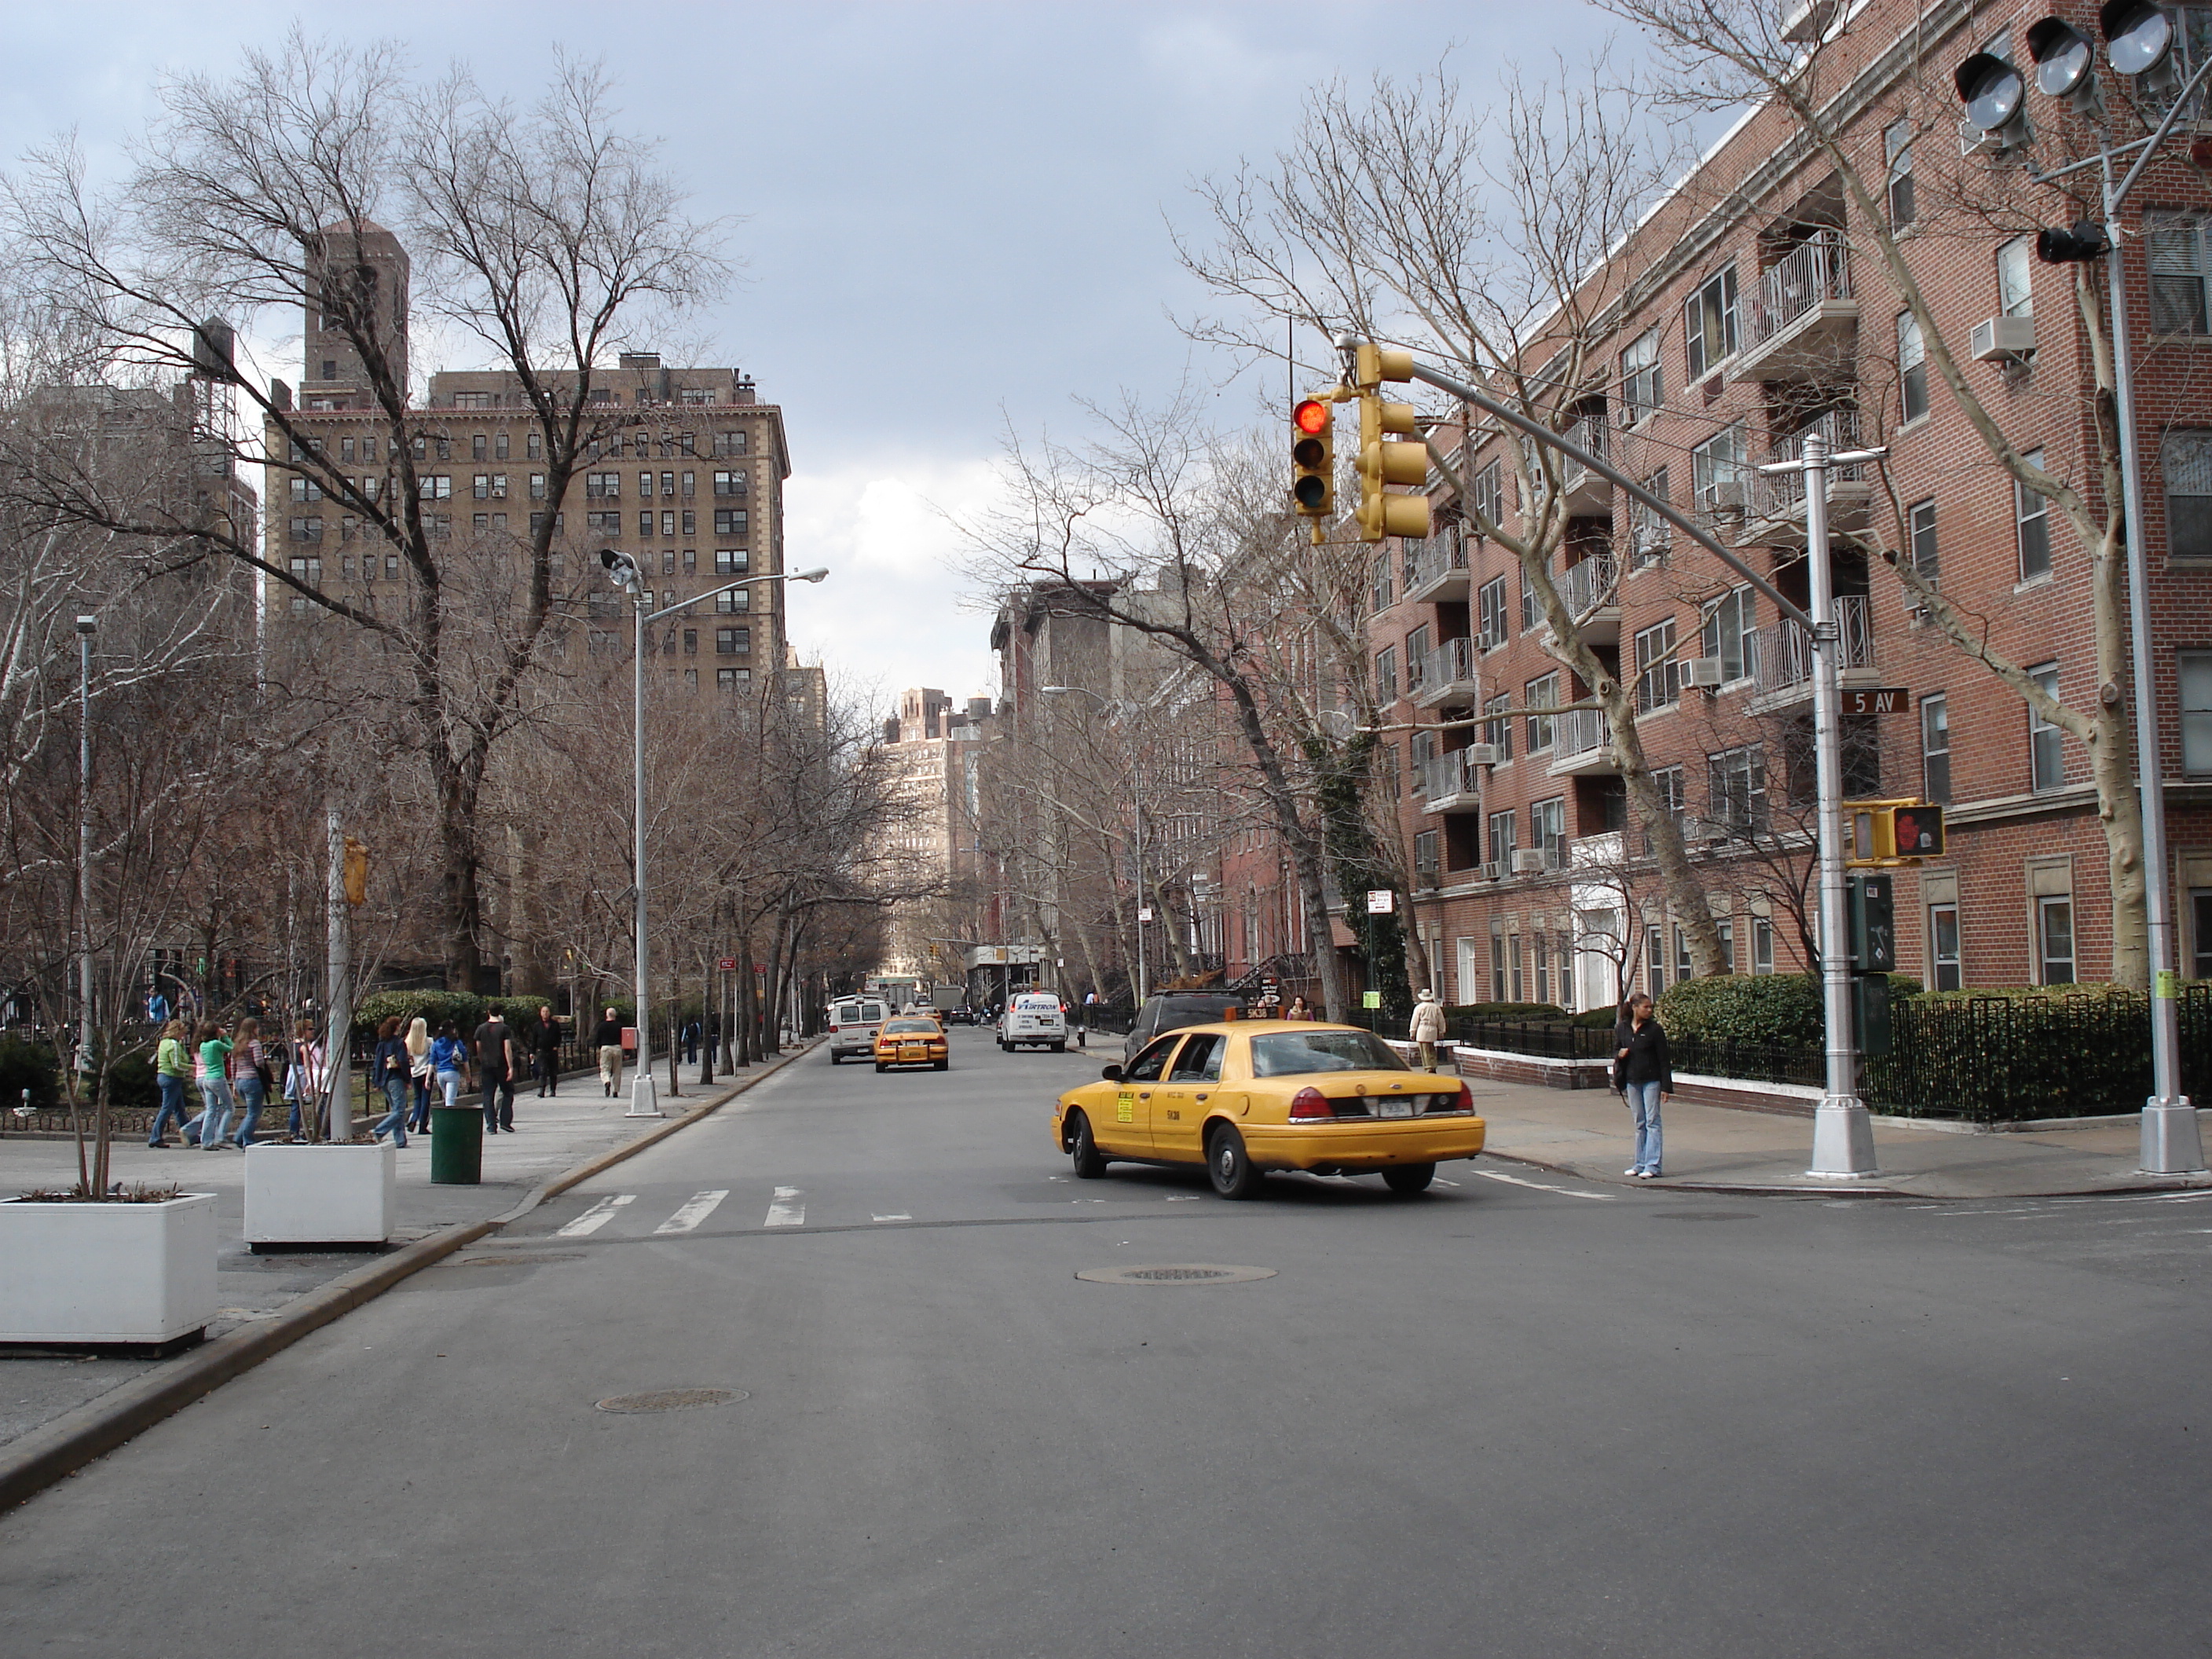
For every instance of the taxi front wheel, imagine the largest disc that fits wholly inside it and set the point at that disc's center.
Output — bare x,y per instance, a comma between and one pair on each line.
1229,1167
1406,1179
1089,1165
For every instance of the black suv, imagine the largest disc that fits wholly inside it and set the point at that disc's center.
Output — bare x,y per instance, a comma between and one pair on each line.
1170,1010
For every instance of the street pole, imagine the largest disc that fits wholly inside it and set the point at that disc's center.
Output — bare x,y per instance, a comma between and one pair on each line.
1843,1131
1140,807
339,970
643,1102
86,627
2170,1142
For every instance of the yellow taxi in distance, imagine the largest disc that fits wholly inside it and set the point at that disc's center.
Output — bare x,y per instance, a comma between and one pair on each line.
1247,1096
911,1040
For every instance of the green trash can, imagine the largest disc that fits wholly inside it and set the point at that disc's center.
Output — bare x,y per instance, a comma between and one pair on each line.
456,1145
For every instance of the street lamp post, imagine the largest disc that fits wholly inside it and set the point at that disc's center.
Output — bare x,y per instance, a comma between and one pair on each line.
644,1101
86,628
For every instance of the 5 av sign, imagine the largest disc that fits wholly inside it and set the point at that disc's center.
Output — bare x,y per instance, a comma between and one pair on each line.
1887,699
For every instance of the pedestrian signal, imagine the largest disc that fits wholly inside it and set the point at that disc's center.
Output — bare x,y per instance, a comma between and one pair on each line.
1313,458
1885,831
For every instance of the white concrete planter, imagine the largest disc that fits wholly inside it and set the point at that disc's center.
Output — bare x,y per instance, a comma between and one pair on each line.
321,1195
106,1272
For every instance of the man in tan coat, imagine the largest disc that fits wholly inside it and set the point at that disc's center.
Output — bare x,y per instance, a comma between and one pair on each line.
1427,1028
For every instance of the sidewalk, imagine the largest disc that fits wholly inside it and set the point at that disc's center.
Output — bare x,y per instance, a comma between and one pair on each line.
1586,1132
550,1135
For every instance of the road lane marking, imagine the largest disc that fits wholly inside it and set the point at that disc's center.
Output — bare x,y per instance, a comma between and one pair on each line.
700,1206
1563,1192
894,1218
785,1212
597,1216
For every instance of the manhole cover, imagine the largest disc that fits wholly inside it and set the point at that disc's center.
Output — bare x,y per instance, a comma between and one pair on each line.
530,1261
669,1400
1706,1215
1182,1272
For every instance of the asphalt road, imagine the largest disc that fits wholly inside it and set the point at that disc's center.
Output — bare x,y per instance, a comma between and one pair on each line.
1518,1415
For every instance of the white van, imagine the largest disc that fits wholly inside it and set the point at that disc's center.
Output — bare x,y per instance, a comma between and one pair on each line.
854,1022
1033,1018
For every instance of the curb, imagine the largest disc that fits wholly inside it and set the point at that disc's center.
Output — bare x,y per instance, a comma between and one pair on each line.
36,1461
1850,1188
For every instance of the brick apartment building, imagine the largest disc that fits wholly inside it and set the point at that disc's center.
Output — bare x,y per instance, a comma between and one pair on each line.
1759,313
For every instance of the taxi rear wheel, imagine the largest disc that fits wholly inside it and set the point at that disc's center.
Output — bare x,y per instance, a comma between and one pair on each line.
1406,1179
943,1065
1229,1167
1090,1164
879,1066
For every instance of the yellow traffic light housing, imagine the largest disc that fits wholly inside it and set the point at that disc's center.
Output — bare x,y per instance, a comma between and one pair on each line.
1313,458
1382,463
1887,832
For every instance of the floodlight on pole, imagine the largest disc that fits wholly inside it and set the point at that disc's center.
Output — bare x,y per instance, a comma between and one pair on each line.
2138,39
2065,63
1996,98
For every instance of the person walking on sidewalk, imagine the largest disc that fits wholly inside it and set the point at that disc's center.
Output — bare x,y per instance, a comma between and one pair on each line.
419,1074
303,1078
387,1070
214,1090
449,1062
607,1039
172,1069
1427,1028
495,1057
1647,1077
548,1043
251,1076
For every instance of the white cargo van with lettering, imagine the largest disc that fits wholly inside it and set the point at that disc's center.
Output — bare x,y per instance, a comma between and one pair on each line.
852,1026
1033,1020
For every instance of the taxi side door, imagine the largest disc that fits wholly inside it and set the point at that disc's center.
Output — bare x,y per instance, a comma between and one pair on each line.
1125,1124
1179,1104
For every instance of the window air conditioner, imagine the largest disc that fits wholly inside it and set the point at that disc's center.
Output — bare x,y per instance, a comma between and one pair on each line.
1494,869
1481,754
1528,861
2001,339
1724,497
1697,829
1703,673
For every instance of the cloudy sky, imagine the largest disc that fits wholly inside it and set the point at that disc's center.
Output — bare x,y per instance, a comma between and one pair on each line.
954,217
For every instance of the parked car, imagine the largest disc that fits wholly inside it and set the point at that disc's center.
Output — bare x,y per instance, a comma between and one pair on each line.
1170,1010
1241,1097
854,1022
912,1040
1033,1020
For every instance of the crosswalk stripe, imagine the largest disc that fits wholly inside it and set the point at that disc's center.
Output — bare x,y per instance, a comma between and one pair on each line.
700,1206
893,1218
597,1216
786,1212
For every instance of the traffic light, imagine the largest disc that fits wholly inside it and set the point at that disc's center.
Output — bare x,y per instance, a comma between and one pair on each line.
1382,463
1873,910
2086,240
1313,457
1884,831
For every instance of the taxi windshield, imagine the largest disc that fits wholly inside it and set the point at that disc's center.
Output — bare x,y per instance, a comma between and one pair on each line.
911,1027
1289,1054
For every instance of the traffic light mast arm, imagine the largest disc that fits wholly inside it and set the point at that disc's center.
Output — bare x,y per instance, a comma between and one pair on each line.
1580,457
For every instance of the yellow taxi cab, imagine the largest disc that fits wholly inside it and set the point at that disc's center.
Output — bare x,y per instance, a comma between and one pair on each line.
912,1040
1248,1097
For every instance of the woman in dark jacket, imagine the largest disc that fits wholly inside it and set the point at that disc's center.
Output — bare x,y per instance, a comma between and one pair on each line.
1647,1076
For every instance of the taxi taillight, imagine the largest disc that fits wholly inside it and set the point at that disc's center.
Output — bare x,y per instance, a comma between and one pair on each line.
1309,1104
1466,1101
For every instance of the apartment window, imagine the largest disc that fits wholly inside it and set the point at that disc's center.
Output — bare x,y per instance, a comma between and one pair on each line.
538,486
1651,536
1735,782
729,443
2046,758
1936,748
604,524
1724,934
1666,782
345,450
1640,388
306,490
2195,671
1516,966
690,642
1896,154
1386,675
729,484
731,521
1541,694
2054,940
644,484
1911,368
2015,291
481,522
1731,633
499,486
1655,956
391,566
737,600
1528,610
603,486
308,570
1709,323
1541,947
732,679
306,530
1498,729
1681,953
1762,946
1943,970
1428,858
1716,469
2031,514
1501,842
480,487
499,446
1490,613
533,446
1490,492
668,561
479,444
2185,461
1657,673
1378,585
733,641
1548,829
1920,529
2179,269
1417,655
1497,959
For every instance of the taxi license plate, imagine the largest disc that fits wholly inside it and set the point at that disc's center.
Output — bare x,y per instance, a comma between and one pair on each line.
914,1054
1400,1108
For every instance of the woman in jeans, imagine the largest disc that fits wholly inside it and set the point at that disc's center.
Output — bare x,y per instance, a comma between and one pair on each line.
214,1090
418,1074
449,1061
172,1068
303,1082
1647,1076
387,1071
247,1082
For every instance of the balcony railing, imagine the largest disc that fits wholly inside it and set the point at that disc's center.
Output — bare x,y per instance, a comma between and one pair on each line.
1451,664
1578,731
1782,495
1813,271
1444,555
1443,776
1587,585
1785,651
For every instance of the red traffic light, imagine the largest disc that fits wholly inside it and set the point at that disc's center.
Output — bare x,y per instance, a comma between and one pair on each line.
1311,416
